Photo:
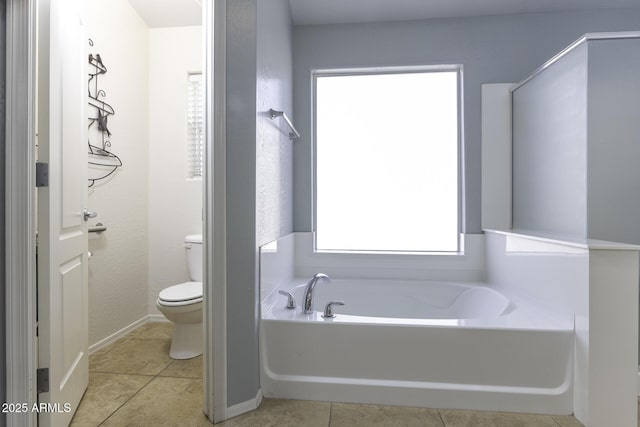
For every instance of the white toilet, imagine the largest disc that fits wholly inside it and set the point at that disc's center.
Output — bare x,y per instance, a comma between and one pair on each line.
182,304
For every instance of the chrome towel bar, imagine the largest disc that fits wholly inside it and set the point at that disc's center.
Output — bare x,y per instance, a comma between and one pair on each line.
275,113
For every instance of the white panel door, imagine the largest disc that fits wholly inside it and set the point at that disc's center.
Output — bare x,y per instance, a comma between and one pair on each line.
62,228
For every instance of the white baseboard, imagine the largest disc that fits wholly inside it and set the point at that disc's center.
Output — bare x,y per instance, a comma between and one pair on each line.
157,318
119,334
258,398
244,407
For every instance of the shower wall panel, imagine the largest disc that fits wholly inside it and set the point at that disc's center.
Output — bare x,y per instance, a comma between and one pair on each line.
550,148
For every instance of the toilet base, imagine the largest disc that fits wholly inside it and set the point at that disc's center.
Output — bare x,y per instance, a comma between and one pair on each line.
186,342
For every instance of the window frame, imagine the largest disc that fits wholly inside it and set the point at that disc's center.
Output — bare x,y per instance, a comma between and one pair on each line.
317,73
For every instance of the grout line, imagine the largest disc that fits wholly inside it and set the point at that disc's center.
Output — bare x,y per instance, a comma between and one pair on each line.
120,373
556,421
125,373
177,377
441,419
152,377
330,413
165,368
126,401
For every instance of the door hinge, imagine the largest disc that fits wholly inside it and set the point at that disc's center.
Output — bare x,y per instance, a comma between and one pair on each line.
43,380
42,174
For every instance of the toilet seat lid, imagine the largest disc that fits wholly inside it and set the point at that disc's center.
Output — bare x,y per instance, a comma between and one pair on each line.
181,292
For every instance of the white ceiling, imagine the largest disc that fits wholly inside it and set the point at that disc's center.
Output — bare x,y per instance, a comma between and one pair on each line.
169,13
309,12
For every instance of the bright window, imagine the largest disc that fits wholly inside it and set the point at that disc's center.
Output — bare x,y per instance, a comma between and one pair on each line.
195,126
387,161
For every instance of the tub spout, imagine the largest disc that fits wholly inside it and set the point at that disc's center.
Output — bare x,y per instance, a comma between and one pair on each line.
308,292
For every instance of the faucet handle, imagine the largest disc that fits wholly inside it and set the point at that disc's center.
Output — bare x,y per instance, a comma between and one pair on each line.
291,302
328,312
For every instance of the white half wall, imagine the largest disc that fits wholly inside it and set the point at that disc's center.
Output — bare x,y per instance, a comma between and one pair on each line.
175,202
548,275
595,282
118,290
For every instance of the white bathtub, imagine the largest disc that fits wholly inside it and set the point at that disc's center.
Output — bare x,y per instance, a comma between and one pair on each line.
430,344
406,299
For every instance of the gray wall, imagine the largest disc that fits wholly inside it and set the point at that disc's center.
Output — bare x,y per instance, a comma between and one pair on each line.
259,171
613,180
3,364
274,149
493,49
550,148
576,144
242,292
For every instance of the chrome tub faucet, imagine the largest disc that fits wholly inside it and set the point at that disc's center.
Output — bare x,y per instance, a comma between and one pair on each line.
308,292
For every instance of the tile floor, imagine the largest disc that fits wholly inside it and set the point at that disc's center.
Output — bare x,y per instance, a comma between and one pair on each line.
134,382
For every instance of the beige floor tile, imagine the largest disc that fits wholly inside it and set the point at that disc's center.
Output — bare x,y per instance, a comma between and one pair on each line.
352,415
163,402
567,421
455,418
134,356
105,394
152,330
189,368
106,349
284,413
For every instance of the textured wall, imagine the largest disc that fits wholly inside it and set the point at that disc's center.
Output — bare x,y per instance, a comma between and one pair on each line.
493,49
614,140
274,151
3,27
118,284
243,379
175,202
550,148
575,144
258,40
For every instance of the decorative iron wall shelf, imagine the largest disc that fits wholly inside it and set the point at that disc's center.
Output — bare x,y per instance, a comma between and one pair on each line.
104,162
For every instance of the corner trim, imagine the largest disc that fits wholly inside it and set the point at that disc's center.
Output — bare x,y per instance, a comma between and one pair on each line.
20,242
244,407
585,38
215,221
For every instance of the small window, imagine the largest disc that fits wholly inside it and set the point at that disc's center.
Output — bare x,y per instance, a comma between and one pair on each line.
387,161
195,126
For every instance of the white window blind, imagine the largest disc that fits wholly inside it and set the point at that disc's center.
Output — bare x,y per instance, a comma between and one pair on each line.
195,127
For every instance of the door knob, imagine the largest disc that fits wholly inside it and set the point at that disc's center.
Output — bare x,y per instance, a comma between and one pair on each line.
86,213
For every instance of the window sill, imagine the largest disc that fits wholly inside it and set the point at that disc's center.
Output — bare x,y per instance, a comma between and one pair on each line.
466,264
388,253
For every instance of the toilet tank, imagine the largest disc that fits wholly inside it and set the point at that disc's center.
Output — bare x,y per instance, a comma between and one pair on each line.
193,245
